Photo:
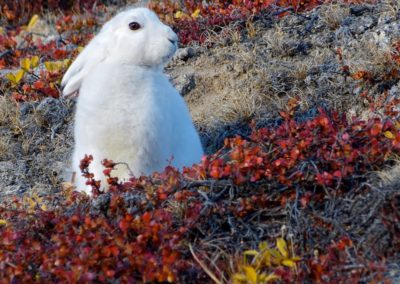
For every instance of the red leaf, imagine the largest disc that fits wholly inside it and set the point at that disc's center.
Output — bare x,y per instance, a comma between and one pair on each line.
376,129
146,217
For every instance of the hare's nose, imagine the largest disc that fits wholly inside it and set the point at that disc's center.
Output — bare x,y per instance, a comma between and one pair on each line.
171,35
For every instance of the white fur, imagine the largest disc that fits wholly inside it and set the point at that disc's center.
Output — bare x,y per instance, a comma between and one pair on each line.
127,110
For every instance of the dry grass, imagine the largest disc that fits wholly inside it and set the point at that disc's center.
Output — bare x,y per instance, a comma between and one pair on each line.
9,115
252,72
37,145
4,147
333,15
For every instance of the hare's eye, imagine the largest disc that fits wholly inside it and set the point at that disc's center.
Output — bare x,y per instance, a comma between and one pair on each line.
134,26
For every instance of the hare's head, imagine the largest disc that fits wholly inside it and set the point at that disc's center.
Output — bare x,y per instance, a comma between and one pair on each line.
135,36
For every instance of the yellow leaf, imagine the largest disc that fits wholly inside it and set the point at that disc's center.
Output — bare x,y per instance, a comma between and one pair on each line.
275,254
196,13
250,256
11,77
397,124
263,246
34,61
289,263
15,78
25,64
80,48
58,65
32,203
1,30
266,257
271,277
238,278
43,207
18,76
170,279
282,247
37,198
169,18
3,222
251,274
251,252
50,66
66,63
178,15
388,134
32,22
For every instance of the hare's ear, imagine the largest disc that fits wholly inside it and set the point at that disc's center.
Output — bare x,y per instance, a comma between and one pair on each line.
94,53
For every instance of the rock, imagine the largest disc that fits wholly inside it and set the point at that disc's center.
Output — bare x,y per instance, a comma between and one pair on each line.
12,175
184,53
239,68
228,68
25,108
184,83
357,91
359,10
52,111
101,203
384,34
360,25
133,202
295,48
395,91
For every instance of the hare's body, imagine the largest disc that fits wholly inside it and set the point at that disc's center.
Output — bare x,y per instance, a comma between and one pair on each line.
127,110
131,125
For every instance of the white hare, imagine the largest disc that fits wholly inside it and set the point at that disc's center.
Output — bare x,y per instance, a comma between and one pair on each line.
127,110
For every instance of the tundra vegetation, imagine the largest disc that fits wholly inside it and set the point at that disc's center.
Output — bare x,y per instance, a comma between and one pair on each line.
297,104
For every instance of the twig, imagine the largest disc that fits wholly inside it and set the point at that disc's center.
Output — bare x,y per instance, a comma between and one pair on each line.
310,24
4,53
204,267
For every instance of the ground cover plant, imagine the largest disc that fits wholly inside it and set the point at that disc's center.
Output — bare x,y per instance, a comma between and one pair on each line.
292,188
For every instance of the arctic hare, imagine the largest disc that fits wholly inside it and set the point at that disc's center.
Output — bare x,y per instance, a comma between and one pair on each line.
127,110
